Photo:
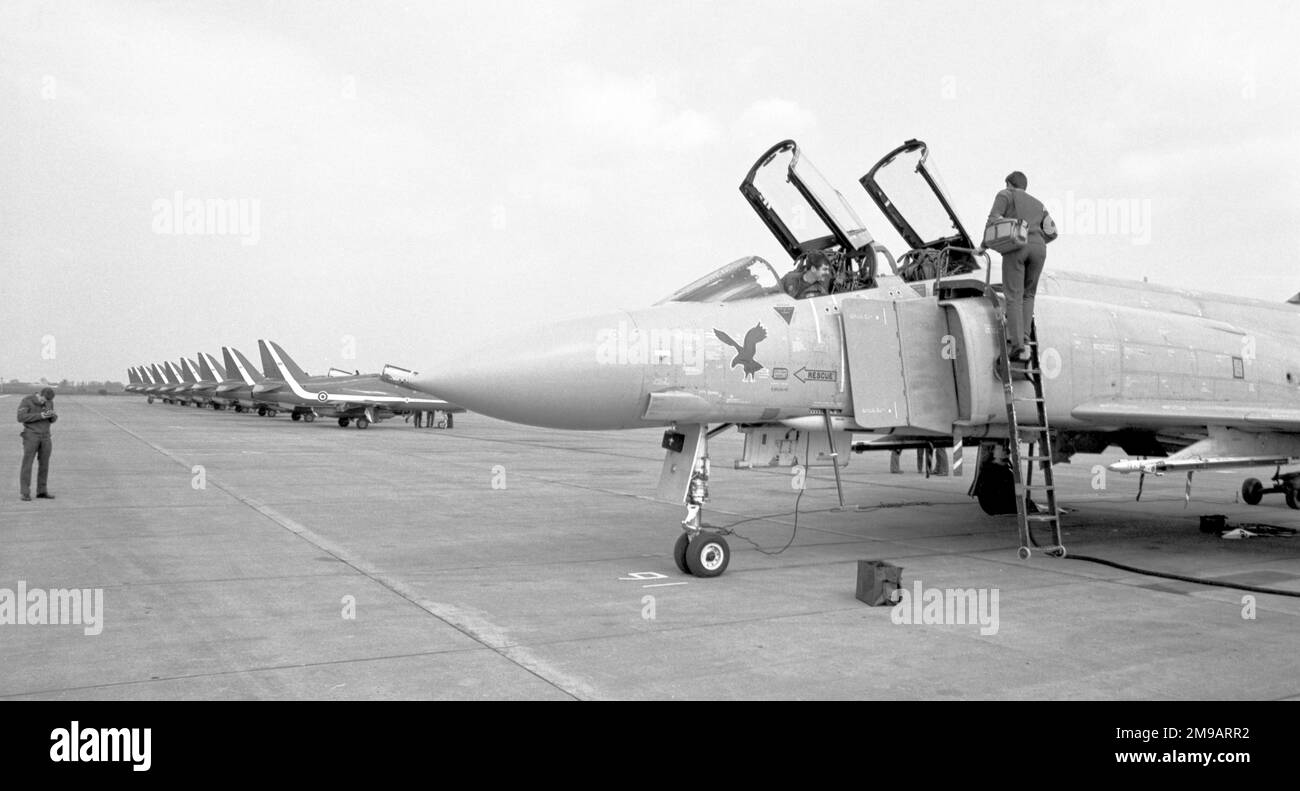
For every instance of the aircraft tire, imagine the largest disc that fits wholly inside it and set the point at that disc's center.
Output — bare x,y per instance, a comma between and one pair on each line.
310,417
679,552
151,399
362,422
343,422
997,490
1252,491
296,416
261,411
1292,498
708,555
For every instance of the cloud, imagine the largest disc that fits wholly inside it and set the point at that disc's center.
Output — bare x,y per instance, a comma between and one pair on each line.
635,112
775,119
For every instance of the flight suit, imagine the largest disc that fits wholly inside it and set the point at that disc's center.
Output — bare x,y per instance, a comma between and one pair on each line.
1021,268
37,444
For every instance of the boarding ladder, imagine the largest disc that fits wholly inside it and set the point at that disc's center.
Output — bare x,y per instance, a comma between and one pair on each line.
1037,430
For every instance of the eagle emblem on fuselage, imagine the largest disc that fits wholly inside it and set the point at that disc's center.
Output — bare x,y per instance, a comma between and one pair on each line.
745,352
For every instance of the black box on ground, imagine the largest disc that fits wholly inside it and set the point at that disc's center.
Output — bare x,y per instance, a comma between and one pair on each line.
877,581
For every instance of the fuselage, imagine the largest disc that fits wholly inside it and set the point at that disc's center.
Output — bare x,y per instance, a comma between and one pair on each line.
882,359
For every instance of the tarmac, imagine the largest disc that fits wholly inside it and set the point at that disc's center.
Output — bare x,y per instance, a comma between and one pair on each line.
257,558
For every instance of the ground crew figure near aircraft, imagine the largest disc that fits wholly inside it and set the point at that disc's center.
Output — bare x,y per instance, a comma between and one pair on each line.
934,458
36,413
808,279
1022,268
419,416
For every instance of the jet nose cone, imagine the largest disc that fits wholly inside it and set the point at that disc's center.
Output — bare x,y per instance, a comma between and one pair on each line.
558,376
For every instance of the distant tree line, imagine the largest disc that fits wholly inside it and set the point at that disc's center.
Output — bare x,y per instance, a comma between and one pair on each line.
65,387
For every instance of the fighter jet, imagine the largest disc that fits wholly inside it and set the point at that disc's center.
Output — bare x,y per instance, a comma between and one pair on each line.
156,382
177,388
201,389
910,348
358,399
252,390
236,388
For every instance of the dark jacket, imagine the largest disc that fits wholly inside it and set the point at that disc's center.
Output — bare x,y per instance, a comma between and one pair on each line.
29,414
1017,204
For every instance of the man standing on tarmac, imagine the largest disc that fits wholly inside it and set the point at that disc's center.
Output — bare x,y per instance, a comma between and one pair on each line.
36,413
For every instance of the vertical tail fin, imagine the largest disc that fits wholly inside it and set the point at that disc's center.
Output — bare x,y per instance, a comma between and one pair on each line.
247,371
289,365
269,368
214,366
206,372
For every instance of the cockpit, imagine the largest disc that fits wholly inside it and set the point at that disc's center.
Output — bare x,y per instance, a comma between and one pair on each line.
805,214
745,278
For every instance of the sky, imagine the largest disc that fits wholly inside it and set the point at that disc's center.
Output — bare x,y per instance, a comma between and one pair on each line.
366,183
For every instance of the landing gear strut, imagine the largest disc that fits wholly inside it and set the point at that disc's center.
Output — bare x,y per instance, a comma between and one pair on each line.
699,550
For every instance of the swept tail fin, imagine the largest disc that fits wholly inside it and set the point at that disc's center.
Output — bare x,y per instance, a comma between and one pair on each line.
290,367
247,371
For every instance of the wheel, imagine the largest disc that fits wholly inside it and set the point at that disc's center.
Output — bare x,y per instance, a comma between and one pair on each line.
296,416
238,408
997,490
151,399
261,411
216,406
708,555
679,552
362,422
1292,499
1252,491
1024,553
310,417
343,422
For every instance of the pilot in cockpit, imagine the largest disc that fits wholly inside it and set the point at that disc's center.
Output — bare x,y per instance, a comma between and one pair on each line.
809,278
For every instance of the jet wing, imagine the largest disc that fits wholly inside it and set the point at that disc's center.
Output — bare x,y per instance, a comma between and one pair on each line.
1148,413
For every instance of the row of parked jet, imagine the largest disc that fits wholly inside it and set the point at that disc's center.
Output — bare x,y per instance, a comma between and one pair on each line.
351,397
